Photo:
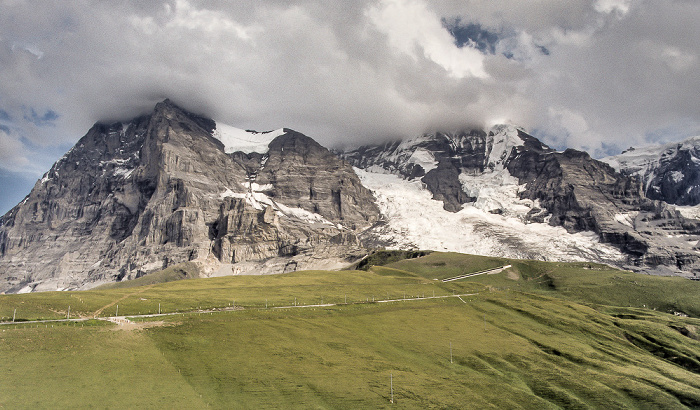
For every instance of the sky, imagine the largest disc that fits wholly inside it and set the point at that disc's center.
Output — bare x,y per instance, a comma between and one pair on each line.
597,75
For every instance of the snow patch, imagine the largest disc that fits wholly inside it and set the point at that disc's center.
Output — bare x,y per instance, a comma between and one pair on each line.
230,194
123,172
626,218
497,191
304,215
259,188
424,158
236,139
258,200
26,289
644,162
505,138
691,212
677,176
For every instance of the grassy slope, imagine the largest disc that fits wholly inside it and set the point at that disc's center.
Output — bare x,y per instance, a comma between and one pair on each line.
87,366
187,270
580,282
308,287
539,336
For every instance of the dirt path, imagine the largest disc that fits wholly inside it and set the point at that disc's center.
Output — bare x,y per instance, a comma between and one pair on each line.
483,272
126,324
100,310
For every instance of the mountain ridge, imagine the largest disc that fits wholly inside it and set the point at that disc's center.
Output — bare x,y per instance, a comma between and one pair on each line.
169,187
567,189
128,200
669,172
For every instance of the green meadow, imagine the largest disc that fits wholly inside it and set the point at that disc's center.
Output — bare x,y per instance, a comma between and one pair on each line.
538,335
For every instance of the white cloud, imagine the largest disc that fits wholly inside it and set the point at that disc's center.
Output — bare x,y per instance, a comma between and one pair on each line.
677,59
185,15
620,7
600,74
410,25
11,153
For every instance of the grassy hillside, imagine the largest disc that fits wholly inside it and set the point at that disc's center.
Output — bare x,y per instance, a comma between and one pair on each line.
588,283
539,335
187,270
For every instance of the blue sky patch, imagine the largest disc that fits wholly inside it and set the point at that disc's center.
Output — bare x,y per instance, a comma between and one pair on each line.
472,34
4,116
42,120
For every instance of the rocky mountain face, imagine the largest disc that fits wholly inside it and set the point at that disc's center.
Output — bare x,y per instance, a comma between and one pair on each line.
131,198
438,160
169,187
566,189
669,173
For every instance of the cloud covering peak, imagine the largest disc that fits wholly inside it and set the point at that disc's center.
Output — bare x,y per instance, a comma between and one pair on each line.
600,75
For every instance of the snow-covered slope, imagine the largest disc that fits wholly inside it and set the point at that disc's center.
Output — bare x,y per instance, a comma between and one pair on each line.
495,190
502,192
414,220
455,166
247,141
492,218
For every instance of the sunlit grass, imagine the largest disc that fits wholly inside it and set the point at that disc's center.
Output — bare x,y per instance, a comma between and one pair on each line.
540,335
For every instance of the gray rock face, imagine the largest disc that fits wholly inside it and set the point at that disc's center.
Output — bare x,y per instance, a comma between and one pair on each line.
137,197
669,173
441,158
308,176
573,191
582,194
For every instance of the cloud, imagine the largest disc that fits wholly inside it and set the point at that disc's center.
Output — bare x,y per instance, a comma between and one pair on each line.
621,7
11,151
594,74
409,25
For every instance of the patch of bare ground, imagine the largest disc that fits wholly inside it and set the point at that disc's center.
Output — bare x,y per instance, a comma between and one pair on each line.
131,326
513,274
100,310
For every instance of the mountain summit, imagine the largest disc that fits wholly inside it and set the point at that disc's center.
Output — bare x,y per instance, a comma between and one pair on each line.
510,195
669,172
131,198
170,187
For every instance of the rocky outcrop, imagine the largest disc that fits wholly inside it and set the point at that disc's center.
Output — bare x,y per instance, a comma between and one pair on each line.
135,197
437,159
307,176
669,173
582,194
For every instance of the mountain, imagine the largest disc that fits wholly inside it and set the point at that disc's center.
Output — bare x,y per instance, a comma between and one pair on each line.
504,193
136,197
132,198
669,173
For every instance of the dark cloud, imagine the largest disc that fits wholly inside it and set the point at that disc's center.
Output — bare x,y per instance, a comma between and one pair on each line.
595,74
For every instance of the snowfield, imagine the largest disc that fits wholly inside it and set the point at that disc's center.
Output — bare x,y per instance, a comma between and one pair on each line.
236,139
691,212
412,219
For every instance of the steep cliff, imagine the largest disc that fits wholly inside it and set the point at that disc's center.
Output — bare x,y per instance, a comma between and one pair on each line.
669,173
506,172
134,197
